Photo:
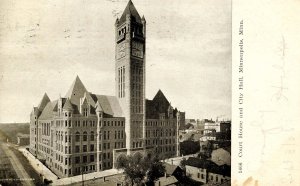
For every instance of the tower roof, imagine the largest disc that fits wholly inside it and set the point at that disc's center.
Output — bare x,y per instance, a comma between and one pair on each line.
131,10
76,91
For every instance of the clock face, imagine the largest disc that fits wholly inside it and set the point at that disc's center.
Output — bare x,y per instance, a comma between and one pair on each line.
121,50
137,49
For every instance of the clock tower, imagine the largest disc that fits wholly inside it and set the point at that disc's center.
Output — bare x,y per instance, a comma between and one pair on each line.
130,74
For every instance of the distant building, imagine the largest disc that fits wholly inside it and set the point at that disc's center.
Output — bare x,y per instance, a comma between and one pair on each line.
174,170
206,171
221,156
166,181
85,132
223,126
23,139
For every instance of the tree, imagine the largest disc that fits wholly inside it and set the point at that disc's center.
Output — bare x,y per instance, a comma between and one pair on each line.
189,147
155,169
139,169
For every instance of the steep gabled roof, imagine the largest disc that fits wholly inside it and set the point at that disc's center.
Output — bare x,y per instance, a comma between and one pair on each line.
48,110
43,102
170,169
68,105
131,10
161,97
76,91
110,105
158,105
98,107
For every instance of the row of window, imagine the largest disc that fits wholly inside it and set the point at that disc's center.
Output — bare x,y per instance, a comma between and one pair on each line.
60,148
78,123
161,123
106,146
170,148
136,144
84,158
84,148
84,169
46,129
160,142
44,149
162,132
84,136
112,123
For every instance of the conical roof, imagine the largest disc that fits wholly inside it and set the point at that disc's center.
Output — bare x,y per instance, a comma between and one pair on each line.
76,91
131,10
43,102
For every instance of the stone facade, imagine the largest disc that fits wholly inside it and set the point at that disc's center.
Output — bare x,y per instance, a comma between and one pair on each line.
84,132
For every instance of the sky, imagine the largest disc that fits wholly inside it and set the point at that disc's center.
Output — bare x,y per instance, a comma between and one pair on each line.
45,44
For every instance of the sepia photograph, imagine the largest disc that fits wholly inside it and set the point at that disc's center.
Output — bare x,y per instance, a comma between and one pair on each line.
115,92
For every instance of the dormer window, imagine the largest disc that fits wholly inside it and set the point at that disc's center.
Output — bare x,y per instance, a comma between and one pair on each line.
85,112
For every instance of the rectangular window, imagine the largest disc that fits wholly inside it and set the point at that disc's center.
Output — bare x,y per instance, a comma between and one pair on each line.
84,149
77,148
92,147
84,159
77,159
91,158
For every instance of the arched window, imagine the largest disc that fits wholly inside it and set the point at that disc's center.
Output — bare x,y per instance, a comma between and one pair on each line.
77,136
92,136
84,136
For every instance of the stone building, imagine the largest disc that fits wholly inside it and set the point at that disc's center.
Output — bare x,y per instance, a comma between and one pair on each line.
85,132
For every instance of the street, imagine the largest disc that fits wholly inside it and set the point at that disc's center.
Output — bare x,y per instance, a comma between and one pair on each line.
24,172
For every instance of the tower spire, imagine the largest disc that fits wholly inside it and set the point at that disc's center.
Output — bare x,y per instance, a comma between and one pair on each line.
130,10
